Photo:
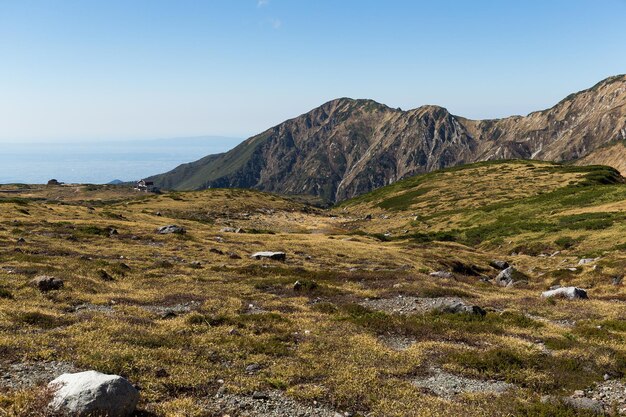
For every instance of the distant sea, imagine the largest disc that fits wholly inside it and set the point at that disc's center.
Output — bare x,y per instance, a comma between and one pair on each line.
102,162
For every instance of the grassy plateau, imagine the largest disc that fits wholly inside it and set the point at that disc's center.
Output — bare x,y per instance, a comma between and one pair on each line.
183,316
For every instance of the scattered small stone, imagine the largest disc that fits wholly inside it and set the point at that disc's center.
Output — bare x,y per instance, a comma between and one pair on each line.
277,404
171,229
258,395
441,274
446,385
458,307
196,264
617,280
252,368
584,404
586,261
45,283
113,232
20,241
22,375
570,293
217,251
233,255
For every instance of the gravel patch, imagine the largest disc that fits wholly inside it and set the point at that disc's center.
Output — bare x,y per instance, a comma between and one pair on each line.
611,395
88,307
269,404
407,305
176,309
397,343
446,385
15,376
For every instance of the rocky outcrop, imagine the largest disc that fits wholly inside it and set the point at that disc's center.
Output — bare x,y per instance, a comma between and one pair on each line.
349,147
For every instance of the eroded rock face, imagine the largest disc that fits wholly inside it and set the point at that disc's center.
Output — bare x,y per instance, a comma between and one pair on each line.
569,293
92,393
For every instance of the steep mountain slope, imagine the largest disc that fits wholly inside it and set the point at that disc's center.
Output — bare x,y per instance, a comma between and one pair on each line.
612,155
348,147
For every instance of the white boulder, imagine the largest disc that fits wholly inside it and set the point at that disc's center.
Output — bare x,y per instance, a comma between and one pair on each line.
277,256
570,293
92,393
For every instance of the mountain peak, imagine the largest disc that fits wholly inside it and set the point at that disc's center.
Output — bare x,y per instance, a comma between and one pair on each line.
348,146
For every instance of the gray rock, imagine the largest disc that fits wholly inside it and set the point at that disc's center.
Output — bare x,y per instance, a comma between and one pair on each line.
172,228
499,264
45,283
93,393
458,307
569,293
277,256
510,277
258,395
252,368
441,274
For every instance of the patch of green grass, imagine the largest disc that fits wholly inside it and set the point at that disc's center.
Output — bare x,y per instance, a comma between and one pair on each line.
587,221
404,200
566,242
6,294
38,319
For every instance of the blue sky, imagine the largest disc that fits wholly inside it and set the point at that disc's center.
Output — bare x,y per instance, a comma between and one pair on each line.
132,69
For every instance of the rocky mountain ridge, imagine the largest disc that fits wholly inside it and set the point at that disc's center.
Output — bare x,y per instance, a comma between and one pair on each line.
347,147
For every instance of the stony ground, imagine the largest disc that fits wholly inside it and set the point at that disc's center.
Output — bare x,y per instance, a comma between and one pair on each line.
351,323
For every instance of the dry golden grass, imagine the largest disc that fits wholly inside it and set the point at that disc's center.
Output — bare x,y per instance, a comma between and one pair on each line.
315,344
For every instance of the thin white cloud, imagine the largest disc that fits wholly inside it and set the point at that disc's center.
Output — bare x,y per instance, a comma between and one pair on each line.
276,23
262,3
